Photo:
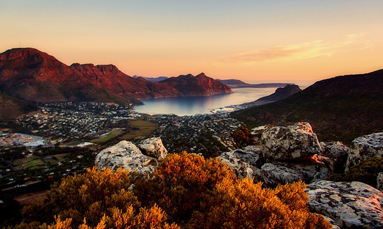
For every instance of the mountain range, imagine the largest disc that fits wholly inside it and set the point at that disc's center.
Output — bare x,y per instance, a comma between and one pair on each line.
11,108
32,75
340,108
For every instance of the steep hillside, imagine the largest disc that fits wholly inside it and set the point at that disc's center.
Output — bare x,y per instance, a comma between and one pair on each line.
11,108
32,75
339,108
279,94
112,79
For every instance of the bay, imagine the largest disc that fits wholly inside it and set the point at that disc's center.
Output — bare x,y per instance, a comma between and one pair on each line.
201,105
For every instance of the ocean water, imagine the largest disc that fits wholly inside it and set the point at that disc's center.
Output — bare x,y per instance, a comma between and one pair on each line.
201,105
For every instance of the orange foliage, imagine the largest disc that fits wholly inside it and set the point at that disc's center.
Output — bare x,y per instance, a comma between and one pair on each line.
87,195
181,182
243,137
248,205
187,189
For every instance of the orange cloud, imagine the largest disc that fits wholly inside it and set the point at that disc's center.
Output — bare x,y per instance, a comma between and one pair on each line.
291,52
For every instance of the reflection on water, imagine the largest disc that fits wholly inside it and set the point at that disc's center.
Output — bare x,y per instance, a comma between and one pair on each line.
201,105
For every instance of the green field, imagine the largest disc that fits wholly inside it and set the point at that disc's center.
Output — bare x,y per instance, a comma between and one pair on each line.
34,163
74,143
25,160
112,134
139,129
60,157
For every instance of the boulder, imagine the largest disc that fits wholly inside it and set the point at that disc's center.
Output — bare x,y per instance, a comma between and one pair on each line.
338,154
349,204
274,173
365,147
127,156
153,147
379,181
242,161
291,142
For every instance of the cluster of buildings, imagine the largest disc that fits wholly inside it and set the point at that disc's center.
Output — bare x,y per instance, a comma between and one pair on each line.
203,134
72,120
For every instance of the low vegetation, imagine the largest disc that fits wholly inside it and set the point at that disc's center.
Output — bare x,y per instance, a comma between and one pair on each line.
243,137
139,129
185,191
365,171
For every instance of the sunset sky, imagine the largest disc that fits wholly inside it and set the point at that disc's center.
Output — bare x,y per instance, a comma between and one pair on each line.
252,40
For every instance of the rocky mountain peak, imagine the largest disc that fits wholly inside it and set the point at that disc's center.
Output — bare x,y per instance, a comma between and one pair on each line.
110,68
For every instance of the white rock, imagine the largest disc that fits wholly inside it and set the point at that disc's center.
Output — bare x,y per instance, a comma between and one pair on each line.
127,156
365,147
338,154
153,147
284,143
349,204
274,173
242,161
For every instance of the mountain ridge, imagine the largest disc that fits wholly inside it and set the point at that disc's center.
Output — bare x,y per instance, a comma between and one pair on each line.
339,108
32,75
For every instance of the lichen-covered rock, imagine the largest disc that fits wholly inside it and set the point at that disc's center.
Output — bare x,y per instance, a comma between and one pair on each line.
242,161
153,147
127,156
332,222
379,181
338,154
349,204
274,173
365,147
285,143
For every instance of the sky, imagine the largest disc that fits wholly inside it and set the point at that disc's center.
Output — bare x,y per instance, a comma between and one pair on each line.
251,40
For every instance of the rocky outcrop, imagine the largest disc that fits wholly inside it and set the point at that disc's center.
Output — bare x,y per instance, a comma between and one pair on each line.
286,143
285,154
337,153
274,173
365,147
243,162
379,181
153,147
127,156
349,204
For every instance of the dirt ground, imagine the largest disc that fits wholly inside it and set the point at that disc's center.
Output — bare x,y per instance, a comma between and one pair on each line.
30,198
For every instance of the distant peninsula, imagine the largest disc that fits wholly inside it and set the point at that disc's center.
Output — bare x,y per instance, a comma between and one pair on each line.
234,83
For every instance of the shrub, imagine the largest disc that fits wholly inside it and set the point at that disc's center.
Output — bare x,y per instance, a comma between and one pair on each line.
186,189
365,171
248,205
181,183
89,195
243,137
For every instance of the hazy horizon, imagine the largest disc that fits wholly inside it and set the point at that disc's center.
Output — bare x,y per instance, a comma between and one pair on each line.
254,41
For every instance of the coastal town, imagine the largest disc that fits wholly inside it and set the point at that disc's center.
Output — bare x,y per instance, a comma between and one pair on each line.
63,138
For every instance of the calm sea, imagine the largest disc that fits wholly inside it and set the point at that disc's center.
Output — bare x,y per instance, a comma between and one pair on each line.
201,105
